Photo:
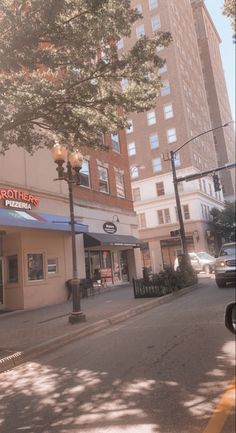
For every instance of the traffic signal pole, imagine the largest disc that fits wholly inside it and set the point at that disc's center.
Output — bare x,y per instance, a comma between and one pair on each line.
178,205
190,177
187,179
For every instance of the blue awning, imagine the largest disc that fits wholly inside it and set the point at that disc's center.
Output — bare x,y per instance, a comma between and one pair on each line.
38,220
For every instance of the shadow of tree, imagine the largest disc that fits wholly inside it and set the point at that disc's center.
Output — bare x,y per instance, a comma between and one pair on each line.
163,390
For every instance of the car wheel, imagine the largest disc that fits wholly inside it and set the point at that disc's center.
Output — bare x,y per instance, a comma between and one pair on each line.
221,283
208,269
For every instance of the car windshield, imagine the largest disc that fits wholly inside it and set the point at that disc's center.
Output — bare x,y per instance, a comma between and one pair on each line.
205,256
228,250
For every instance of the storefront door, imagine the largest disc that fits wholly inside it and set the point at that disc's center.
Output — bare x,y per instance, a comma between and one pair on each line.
1,283
116,267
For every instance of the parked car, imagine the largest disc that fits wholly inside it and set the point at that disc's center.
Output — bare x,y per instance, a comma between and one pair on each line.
202,262
230,317
225,266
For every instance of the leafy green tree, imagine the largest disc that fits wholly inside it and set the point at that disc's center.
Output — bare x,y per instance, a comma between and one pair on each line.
223,223
229,10
60,71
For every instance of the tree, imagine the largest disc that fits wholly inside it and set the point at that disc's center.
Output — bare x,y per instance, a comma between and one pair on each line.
229,10
224,222
60,71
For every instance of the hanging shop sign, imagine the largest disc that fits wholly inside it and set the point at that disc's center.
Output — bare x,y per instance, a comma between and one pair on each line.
15,199
109,227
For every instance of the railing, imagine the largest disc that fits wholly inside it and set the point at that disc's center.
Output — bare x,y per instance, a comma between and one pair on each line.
149,289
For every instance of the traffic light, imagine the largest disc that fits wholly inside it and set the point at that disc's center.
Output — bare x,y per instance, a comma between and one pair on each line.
216,181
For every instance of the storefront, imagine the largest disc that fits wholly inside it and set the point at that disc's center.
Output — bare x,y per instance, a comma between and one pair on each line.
110,257
35,252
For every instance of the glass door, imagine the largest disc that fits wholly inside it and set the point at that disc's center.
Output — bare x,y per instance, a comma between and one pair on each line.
1,282
116,267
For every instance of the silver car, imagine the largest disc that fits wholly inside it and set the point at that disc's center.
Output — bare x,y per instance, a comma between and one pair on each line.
225,267
202,261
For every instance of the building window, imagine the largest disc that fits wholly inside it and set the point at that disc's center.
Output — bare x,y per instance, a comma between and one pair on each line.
154,141
53,266
159,48
140,31
124,84
151,118
168,111
160,217
177,159
165,90
134,172
142,220
130,127
12,269
163,69
156,165
84,174
101,139
160,189
131,149
156,23
138,8
35,267
120,44
115,142
152,4
186,212
120,185
136,194
103,179
167,216
171,135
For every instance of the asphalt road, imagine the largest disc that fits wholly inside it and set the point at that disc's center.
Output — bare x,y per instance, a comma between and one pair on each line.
165,371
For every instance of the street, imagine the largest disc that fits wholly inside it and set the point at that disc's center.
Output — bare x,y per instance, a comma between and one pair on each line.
164,371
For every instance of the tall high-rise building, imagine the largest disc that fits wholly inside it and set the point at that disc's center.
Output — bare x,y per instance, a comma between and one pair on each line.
217,95
182,111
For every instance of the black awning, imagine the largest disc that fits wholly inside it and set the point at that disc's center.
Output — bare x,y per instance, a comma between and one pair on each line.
97,239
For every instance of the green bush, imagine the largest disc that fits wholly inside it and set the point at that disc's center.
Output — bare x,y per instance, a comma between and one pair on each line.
169,280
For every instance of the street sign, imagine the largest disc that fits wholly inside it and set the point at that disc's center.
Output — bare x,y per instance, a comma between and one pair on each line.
174,233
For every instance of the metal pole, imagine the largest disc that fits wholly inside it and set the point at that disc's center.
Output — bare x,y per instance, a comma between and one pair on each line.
178,205
76,315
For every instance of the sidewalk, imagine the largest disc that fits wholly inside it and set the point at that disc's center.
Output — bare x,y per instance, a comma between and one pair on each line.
26,334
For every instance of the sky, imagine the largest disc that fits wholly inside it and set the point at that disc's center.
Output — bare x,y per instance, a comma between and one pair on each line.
227,47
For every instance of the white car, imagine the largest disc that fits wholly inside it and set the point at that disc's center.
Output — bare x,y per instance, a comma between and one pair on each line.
202,261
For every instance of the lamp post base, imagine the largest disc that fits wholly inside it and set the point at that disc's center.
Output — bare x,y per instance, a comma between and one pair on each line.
76,317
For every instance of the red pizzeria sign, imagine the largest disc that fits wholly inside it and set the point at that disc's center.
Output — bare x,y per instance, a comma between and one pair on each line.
18,199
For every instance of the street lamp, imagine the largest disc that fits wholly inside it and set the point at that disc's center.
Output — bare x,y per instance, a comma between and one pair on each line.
176,180
74,161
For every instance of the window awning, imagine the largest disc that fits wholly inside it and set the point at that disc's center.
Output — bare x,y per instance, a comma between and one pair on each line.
38,220
97,239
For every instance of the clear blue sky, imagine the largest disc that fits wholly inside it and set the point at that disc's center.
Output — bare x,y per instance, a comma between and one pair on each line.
227,47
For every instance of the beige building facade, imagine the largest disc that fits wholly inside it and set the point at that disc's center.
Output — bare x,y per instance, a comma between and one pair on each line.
217,95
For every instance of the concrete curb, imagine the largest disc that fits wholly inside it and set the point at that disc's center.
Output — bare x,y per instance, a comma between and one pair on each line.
17,358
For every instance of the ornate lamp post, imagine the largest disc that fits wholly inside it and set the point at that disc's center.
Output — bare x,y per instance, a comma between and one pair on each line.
74,161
